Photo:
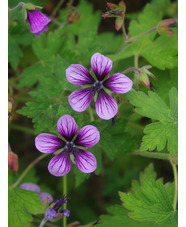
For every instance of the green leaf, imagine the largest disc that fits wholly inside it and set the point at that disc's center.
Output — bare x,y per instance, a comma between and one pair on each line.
47,46
166,129
162,53
14,53
31,75
148,173
150,201
19,203
136,27
88,19
118,217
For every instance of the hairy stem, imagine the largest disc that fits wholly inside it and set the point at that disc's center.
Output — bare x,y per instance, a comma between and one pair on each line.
176,186
20,4
21,128
131,69
142,34
57,8
163,156
91,113
124,31
65,193
28,168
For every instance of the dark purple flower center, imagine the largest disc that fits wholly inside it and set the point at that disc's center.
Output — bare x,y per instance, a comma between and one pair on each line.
98,85
70,146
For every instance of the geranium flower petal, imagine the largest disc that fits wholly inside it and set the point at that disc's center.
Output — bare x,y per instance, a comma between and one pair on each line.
88,136
67,127
78,75
30,186
45,29
101,65
106,106
85,161
37,21
47,143
60,164
44,196
118,83
81,99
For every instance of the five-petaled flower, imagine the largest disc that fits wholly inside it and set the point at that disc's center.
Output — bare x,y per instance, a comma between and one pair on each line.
60,165
38,21
106,107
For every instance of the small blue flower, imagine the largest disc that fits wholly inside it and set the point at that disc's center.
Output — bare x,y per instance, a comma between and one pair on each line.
53,211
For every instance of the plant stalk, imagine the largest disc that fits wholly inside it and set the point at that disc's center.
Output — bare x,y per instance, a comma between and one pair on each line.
176,186
131,69
28,168
163,156
18,5
91,113
65,193
140,35
57,8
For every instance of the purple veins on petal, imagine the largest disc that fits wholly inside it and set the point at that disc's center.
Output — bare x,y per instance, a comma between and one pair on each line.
78,75
44,196
60,164
45,29
38,21
118,83
67,127
81,99
30,187
88,136
101,65
47,143
85,161
106,106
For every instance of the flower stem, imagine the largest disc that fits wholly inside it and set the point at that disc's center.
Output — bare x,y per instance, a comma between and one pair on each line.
21,128
131,69
57,8
142,34
18,5
176,186
65,193
91,113
124,31
27,169
164,156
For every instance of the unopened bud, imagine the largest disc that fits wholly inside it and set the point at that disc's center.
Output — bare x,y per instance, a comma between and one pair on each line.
163,27
117,11
144,79
12,160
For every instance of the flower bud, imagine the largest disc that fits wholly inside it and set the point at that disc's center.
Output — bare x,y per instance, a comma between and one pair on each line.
164,26
12,159
117,11
73,16
10,104
144,79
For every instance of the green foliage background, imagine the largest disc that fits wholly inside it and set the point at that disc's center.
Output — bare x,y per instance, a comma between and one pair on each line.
148,119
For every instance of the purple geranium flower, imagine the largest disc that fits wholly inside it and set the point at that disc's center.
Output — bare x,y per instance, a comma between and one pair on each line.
34,187
60,165
38,21
106,107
